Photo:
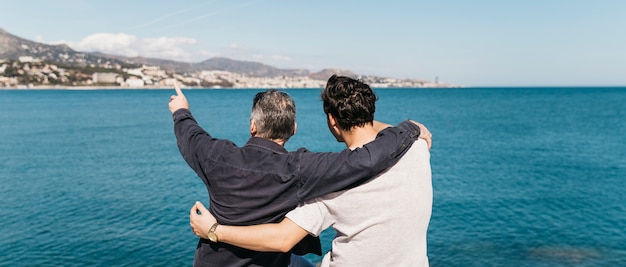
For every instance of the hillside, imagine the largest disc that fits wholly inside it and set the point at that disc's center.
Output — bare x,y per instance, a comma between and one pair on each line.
12,47
25,63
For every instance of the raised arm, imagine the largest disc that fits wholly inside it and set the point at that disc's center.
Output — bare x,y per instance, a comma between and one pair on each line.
270,237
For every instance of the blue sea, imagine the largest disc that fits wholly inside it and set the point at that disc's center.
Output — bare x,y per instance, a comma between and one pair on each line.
521,176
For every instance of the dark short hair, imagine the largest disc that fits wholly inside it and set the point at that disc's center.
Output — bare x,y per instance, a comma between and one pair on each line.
350,101
274,113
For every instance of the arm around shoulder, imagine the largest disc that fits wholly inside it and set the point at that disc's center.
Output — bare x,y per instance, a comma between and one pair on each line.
330,172
411,127
270,237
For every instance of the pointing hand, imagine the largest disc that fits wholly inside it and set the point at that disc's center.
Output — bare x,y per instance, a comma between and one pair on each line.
178,101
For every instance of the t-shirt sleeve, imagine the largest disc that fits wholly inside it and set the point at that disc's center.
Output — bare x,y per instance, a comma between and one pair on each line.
311,216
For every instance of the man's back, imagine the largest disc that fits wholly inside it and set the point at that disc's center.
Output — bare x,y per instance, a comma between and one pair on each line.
380,223
260,182
247,185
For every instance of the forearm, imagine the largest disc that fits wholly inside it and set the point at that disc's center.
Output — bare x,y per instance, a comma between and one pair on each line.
271,237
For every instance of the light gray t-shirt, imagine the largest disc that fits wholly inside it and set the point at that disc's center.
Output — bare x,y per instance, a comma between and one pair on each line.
380,223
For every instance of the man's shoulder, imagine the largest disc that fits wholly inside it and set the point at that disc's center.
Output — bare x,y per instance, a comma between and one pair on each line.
416,159
419,147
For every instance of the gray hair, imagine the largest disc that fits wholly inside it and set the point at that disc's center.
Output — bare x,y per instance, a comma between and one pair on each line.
274,113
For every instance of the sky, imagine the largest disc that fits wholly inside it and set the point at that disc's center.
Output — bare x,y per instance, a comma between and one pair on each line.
462,42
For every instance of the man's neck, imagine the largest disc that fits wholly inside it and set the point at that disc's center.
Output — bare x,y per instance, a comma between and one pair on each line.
281,142
359,136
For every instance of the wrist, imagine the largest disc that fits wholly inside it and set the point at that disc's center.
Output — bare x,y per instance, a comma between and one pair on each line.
212,235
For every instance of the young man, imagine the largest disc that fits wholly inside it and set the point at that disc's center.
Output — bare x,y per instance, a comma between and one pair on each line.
382,222
260,182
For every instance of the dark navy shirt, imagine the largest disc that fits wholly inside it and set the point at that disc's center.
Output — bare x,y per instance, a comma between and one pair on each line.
261,181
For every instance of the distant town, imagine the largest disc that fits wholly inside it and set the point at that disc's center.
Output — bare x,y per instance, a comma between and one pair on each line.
26,64
28,72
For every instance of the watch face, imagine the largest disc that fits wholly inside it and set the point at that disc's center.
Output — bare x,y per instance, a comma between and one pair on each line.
211,233
212,237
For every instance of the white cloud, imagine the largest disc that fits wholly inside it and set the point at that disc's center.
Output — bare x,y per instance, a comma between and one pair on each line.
120,43
174,48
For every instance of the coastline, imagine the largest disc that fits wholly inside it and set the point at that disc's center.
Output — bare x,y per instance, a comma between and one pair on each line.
86,88
112,87
93,88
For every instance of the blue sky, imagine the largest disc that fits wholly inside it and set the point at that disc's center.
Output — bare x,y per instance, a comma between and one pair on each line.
471,42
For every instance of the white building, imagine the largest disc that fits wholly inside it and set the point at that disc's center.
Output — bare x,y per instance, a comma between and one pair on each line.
24,59
168,82
104,77
136,72
134,82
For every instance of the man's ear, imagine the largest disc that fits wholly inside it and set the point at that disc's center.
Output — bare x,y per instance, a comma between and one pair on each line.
333,128
331,120
253,129
295,128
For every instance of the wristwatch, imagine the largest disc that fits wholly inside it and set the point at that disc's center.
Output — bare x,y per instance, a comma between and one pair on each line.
212,235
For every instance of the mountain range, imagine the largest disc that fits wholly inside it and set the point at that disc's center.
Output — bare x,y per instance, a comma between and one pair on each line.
12,47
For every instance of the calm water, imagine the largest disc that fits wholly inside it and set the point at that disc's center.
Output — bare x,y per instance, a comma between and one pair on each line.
522,176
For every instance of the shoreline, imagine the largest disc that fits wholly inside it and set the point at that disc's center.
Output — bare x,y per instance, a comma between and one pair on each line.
88,88
17,88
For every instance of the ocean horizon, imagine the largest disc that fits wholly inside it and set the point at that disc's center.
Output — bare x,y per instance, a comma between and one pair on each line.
522,176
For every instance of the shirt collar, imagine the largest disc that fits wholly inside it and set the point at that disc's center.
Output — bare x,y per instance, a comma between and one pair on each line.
266,144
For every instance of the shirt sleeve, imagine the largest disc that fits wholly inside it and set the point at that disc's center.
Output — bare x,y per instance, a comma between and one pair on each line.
194,143
312,216
324,173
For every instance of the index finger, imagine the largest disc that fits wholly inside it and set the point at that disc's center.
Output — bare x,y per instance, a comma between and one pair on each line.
177,88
